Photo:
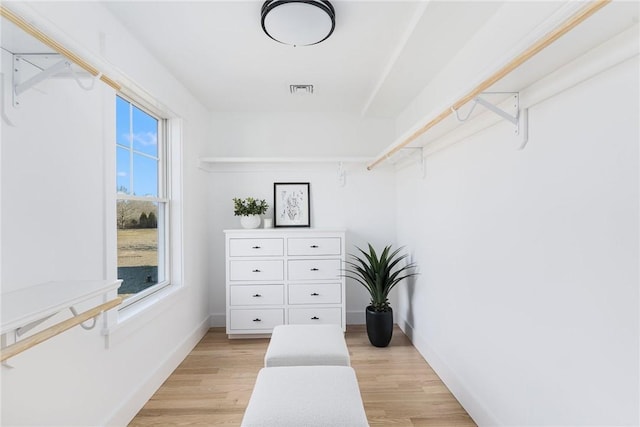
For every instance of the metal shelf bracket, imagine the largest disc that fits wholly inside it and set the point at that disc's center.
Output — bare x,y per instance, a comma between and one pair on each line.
26,328
62,66
82,325
20,86
519,118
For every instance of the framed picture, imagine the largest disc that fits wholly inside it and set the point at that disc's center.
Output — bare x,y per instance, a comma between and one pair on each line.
291,204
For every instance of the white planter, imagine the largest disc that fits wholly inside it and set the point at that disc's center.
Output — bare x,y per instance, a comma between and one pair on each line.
250,221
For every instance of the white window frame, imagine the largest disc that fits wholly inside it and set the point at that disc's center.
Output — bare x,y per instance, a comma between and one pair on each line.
163,199
133,316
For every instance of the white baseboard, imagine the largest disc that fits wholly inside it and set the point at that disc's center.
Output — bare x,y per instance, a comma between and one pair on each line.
217,320
355,317
137,399
469,401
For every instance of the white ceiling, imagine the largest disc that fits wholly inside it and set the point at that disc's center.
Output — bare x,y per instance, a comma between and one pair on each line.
379,55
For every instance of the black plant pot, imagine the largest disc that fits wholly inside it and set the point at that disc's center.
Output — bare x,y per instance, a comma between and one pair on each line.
379,326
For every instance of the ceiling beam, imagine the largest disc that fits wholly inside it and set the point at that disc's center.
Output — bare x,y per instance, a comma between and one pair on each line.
417,16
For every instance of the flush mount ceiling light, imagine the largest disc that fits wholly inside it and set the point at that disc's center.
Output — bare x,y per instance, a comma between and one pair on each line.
298,22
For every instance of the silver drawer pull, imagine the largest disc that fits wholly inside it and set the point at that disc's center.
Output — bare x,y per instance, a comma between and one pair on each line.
257,295
315,318
256,271
314,246
314,269
257,319
255,247
315,294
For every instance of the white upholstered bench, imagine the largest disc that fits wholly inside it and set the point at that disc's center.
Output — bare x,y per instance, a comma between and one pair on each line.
307,345
306,396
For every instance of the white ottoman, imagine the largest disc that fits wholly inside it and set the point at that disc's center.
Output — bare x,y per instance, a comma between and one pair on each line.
306,396
307,345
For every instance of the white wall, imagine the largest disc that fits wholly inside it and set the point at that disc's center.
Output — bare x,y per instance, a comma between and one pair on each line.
363,207
295,134
48,199
57,223
527,302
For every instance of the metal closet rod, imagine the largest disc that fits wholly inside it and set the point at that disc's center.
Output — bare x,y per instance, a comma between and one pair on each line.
532,50
53,44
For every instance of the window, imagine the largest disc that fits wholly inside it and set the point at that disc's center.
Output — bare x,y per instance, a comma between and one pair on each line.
142,201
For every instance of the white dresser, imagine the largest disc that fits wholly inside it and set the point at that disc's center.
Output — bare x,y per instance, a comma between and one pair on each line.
283,276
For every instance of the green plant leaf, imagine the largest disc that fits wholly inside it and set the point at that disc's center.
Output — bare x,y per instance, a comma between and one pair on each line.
379,274
249,206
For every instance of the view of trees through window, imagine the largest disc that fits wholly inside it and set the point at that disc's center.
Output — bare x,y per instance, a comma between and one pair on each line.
140,203
137,245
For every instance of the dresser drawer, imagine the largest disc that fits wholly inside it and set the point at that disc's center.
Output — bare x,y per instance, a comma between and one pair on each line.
322,316
314,269
261,319
256,294
256,270
314,246
256,247
320,293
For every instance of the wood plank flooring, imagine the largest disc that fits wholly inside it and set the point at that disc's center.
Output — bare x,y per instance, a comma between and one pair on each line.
213,384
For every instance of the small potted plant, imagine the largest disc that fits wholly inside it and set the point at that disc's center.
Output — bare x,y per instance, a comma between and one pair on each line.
249,211
379,275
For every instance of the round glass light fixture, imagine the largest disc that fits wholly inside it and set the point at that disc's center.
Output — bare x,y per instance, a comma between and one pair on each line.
298,22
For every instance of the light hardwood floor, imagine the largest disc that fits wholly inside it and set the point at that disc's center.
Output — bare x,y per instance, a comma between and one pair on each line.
213,384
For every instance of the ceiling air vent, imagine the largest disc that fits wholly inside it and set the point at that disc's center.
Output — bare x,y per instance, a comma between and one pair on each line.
301,89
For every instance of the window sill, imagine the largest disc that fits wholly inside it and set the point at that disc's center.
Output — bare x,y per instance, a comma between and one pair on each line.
132,318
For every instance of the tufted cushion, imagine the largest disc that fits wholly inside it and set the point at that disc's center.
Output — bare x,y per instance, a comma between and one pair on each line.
306,396
307,345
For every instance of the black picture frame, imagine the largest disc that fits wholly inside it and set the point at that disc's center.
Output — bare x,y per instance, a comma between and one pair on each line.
291,204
